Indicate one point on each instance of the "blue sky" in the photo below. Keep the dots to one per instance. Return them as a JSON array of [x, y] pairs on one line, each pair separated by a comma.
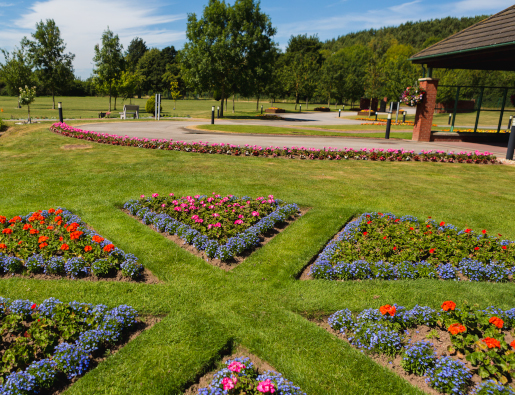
[[163, 23]]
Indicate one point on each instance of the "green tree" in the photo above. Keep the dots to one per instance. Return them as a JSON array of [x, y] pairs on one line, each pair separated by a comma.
[[135, 51], [130, 84], [397, 71], [16, 71], [27, 97], [175, 92], [109, 62], [53, 66], [225, 46], [152, 67]]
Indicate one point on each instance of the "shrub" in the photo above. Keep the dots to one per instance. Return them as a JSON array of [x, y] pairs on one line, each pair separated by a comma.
[[418, 357], [71, 359], [102, 268], [150, 106]]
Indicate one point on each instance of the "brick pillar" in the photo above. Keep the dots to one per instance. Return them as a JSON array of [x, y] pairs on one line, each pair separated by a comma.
[[425, 110]]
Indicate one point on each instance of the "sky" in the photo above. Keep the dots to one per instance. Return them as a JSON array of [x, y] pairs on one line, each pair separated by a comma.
[[163, 23]]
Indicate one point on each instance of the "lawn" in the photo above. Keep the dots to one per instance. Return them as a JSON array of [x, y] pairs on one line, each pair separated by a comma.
[[89, 107], [259, 304], [308, 132]]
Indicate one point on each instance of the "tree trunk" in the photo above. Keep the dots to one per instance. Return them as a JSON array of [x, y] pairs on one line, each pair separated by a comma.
[[53, 99], [233, 103], [225, 104], [306, 102], [222, 103], [257, 104], [28, 108], [109, 96], [296, 99]]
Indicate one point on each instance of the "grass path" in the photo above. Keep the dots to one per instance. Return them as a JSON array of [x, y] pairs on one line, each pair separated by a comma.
[[259, 303]]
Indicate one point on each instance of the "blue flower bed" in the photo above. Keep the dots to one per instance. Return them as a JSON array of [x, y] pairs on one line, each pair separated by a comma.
[[236, 245], [65, 334], [58, 242], [383, 246], [384, 331], [240, 377]]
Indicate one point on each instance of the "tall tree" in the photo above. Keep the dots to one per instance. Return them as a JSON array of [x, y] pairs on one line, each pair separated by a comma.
[[226, 45], [16, 72], [53, 66], [135, 51], [109, 62], [152, 66]]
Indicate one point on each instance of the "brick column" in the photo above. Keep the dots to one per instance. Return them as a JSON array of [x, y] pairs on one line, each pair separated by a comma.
[[425, 110]]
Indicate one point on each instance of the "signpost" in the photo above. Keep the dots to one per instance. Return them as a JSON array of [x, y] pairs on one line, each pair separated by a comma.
[[158, 106]]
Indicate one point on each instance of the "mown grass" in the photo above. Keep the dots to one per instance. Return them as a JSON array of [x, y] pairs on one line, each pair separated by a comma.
[[259, 303], [253, 129]]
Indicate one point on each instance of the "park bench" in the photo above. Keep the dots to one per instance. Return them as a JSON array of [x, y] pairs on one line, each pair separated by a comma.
[[130, 109]]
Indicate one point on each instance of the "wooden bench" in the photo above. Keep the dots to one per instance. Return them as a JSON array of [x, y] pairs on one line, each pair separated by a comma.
[[129, 109]]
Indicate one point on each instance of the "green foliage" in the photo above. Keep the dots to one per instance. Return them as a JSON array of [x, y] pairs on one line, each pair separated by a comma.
[[150, 106], [16, 71], [53, 66], [152, 66], [135, 51], [27, 97]]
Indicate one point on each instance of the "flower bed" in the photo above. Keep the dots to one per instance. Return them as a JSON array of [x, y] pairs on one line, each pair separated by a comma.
[[478, 343], [323, 109], [57, 242], [240, 377], [382, 246], [275, 110], [477, 131], [222, 227], [55, 341], [327, 153]]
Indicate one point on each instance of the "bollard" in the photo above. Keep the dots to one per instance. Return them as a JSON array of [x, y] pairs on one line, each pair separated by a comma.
[[449, 122], [339, 113], [404, 117], [300, 107], [511, 144], [388, 125], [60, 107], [376, 116], [343, 107], [509, 123], [218, 112], [213, 115]]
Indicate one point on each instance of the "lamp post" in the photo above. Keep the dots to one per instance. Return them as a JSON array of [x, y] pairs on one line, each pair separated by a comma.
[[388, 126], [60, 107], [339, 113], [218, 112], [511, 144], [213, 115]]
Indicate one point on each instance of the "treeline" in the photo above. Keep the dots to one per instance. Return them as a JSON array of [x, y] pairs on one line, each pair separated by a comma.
[[230, 52]]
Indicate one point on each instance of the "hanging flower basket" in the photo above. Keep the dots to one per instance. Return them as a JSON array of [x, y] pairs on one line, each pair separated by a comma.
[[413, 95]]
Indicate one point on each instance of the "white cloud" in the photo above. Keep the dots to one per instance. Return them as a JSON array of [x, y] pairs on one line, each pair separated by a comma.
[[82, 23], [475, 6]]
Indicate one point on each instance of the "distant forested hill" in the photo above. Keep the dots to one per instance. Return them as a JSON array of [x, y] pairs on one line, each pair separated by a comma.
[[417, 34]]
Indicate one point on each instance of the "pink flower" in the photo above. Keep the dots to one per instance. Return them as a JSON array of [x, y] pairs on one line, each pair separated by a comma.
[[199, 220], [255, 214], [216, 215], [197, 196], [241, 216], [238, 222], [218, 225], [227, 383], [142, 196], [236, 366], [211, 207], [171, 194], [177, 209], [154, 195], [266, 386]]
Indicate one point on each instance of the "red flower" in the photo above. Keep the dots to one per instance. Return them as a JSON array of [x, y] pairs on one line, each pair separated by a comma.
[[75, 235], [455, 329], [448, 305], [2, 246], [27, 226], [380, 214], [42, 239], [497, 322], [387, 309], [65, 247], [483, 231], [43, 245], [512, 344], [385, 237], [365, 233], [51, 211], [428, 226], [491, 342], [50, 227], [34, 231], [72, 227], [97, 239], [503, 247], [369, 222], [394, 248], [88, 248], [476, 248], [109, 248], [397, 220], [3, 219], [442, 223], [7, 231], [33, 306], [59, 211], [411, 229], [432, 251], [468, 230]]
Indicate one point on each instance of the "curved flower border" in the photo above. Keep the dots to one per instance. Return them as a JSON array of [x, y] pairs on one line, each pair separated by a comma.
[[235, 245], [328, 153], [475, 270]]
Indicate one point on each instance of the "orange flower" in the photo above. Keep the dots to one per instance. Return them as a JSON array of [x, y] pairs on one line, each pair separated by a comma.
[[34, 231], [65, 247], [2, 246], [72, 227], [88, 248], [109, 248], [512, 344], [387, 309], [97, 239], [57, 219], [51, 211], [50, 227], [3, 219], [491, 342], [448, 305], [20, 242], [15, 219], [454, 329], [59, 211], [43, 245], [75, 235], [497, 322], [61, 238], [42, 239], [27, 226], [7, 231]]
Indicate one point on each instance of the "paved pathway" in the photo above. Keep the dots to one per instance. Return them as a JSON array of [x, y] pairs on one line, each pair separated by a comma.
[[179, 131]]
